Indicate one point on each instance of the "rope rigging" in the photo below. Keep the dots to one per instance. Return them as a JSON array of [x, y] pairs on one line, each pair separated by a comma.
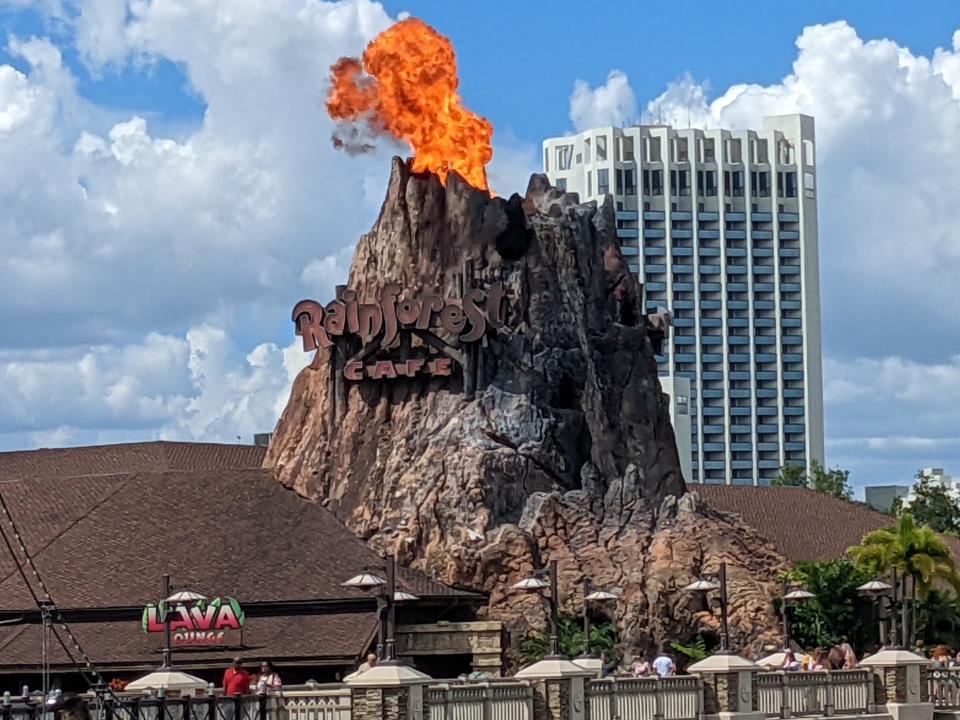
[[47, 606]]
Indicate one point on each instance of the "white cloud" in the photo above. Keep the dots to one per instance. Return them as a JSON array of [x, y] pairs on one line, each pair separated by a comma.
[[612, 103]]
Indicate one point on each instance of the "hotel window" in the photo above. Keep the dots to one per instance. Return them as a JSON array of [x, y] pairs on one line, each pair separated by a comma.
[[709, 150], [626, 148], [653, 182], [564, 156], [652, 147], [561, 184], [760, 184], [586, 150], [601, 147], [589, 183], [630, 182], [603, 179], [619, 175]]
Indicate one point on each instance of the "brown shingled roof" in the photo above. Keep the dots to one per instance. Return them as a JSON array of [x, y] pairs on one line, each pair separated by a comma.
[[802, 524], [104, 524]]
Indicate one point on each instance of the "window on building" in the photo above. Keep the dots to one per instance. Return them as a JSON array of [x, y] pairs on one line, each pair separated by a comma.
[[589, 183], [680, 151], [653, 182], [603, 181], [760, 152], [785, 152], [601, 147], [760, 184], [619, 176], [626, 148], [808, 181], [684, 182], [561, 184], [709, 150], [808, 158], [734, 151], [586, 150], [791, 184], [630, 182], [564, 156], [652, 145]]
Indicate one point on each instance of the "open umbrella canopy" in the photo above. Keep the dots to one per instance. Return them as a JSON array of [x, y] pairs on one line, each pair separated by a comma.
[[184, 596], [167, 679]]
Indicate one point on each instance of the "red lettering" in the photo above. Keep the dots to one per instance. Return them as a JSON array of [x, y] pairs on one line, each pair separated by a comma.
[[153, 621], [353, 370], [440, 366], [430, 303], [182, 620], [388, 306], [408, 311], [308, 317], [336, 319], [471, 307], [382, 369], [226, 619], [203, 620]]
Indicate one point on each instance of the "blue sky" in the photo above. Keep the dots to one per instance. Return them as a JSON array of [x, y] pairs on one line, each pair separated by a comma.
[[168, 177]]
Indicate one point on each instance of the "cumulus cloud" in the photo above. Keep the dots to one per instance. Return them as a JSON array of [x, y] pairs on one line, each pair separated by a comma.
[[612, 103]]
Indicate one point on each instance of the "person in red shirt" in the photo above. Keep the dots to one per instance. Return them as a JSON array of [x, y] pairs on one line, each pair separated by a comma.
[[236, 680]]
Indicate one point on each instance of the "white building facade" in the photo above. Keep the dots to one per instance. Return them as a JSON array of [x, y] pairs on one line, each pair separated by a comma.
[[721, 227]]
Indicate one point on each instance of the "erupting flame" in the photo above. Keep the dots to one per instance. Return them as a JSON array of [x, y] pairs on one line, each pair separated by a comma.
[[407, 86]]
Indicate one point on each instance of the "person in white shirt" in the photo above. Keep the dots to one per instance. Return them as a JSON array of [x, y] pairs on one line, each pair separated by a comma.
[[664, 665]]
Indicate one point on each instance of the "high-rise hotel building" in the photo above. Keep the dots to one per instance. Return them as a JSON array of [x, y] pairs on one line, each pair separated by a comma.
[[721, 227]]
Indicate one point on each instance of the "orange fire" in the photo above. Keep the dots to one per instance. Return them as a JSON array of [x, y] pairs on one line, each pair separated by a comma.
[[407, 86]]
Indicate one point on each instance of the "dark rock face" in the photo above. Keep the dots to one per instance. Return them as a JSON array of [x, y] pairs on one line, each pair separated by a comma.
[[553, 441]]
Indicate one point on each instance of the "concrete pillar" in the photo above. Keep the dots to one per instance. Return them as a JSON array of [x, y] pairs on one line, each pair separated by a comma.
[[899, 683], [387, 692], [729, 687], [559, 689]]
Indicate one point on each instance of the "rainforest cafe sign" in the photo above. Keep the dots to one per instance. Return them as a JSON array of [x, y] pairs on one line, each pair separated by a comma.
[[199, 624], [379, 325]]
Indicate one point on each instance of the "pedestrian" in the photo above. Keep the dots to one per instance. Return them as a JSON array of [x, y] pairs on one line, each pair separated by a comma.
[[268, 681], [818, 661], [640, 668], [236, 680], [664, 665], [941, 657], [835, 658], [370, 664], [849, 656], [789, 663]]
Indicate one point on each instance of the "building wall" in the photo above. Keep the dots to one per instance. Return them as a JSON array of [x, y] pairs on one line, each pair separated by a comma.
[[721, 227], [881, 497], [678, 388]]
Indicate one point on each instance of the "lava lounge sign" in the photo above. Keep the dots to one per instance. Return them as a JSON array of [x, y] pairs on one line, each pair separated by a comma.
[[214, 623], [392, 320]]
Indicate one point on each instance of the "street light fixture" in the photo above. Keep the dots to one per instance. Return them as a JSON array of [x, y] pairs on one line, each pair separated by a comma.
[[536, 584], [591, 595], [885, 596], [798, 594], [387, 597], [706, 584]]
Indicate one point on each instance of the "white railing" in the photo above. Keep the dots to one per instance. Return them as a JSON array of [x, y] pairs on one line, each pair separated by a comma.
[[673, 698], [943, 685], [504, 700], [331, 703], [788, 694]]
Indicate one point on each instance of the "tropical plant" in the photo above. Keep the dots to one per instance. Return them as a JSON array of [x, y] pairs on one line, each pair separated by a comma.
[[837, 611], [603, 639], [696, 651], [916, 553], [833, 482], [938, 619]]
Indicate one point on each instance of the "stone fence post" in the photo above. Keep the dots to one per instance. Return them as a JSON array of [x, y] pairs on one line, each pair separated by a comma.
[[559, 691], [387, 692], [729, 687], [898, 682]]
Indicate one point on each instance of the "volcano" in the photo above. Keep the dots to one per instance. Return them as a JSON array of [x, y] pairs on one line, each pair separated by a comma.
[[546, 438]]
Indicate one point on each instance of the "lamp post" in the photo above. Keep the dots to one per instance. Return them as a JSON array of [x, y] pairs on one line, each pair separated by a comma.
[[387, 598], [798, 594], [884, 596], [536, 584], [591, 594], [174, 598], [705, 584]]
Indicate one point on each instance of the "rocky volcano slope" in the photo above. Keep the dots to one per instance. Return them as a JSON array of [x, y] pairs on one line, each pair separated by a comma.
[[553, 441]]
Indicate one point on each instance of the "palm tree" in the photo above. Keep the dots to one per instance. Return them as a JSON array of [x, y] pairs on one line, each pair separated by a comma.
[[914, 552]]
